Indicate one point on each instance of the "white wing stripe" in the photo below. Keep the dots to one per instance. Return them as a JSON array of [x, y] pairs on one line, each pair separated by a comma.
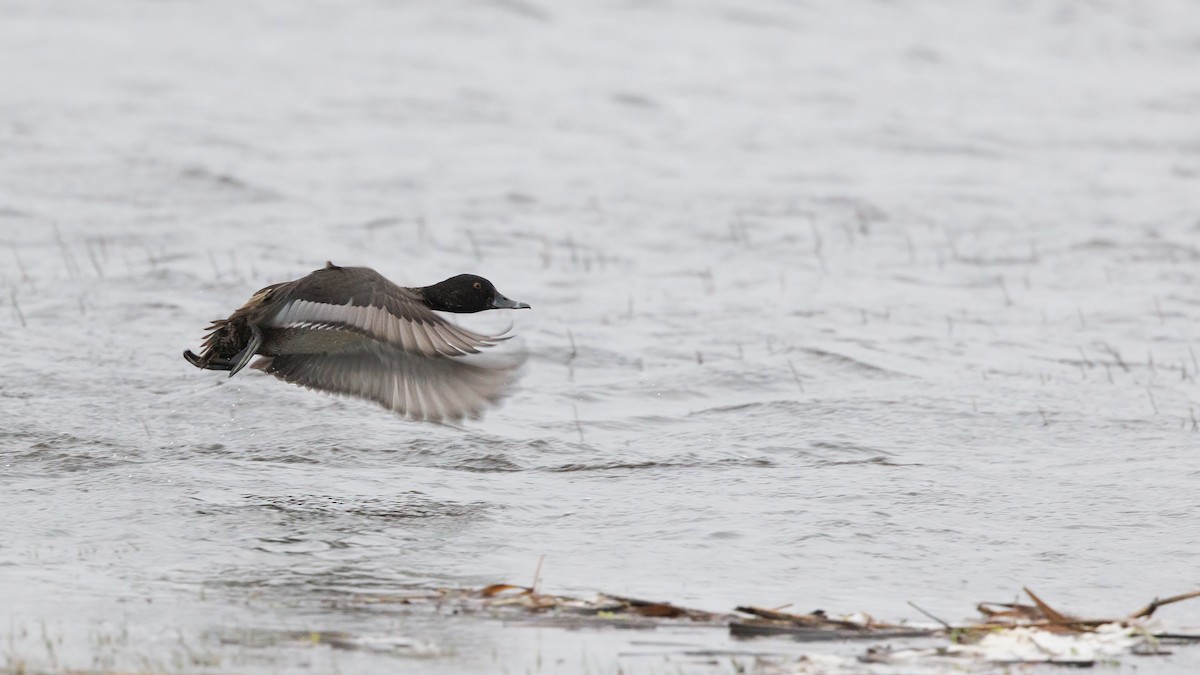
[[281, 317], [436, 339]]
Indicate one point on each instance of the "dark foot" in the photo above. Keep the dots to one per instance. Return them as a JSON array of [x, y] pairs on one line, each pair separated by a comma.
[[243, 357], [206, 364]]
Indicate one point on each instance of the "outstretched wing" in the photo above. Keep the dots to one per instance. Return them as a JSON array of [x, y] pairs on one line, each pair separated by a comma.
[[421, 387]]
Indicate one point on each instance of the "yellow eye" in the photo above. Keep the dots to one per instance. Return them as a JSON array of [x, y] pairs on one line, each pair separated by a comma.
[[478, 285]]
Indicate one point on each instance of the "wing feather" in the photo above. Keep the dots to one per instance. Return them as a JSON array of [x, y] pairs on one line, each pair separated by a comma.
[[439, 338], [422, 388]]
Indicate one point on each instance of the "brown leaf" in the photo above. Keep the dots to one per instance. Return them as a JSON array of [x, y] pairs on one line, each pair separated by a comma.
[[660, 610], [496, 589], [1008, 611], [1049, 612]]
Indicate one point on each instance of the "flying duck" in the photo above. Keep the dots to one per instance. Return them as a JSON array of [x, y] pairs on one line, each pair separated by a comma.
[[349, 331]]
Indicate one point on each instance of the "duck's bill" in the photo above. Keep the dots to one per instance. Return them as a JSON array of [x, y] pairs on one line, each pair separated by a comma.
[[501, 302]]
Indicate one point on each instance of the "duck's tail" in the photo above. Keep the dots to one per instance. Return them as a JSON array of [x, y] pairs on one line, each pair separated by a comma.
[[226, 340]]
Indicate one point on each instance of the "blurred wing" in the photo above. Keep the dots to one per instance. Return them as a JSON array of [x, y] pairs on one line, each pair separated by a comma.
[[419, 387]]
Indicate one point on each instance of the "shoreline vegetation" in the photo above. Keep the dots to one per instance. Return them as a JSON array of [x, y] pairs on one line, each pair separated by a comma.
[[1005, 634], [745, 640]]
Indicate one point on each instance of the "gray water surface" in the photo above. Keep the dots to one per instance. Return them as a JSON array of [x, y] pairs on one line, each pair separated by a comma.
[[834, 304]]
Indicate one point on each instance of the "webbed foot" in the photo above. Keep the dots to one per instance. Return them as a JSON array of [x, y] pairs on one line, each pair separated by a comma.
[[243, 357], [206, 363]]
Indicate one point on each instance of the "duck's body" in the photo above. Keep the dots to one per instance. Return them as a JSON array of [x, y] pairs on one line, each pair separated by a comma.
[[348, 330]]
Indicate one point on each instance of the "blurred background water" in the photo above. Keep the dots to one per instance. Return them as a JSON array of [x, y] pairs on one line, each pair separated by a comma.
[[838, 304]]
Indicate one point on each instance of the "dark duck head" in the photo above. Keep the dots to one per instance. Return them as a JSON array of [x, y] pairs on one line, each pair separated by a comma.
[[466, 294]]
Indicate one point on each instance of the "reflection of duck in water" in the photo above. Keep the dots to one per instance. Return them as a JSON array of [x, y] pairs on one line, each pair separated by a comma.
[[349, 331]]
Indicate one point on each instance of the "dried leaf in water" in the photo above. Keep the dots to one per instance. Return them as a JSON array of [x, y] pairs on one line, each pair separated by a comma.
[[1047, 611], [496, 589], [660, 610], [1009, 611]]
